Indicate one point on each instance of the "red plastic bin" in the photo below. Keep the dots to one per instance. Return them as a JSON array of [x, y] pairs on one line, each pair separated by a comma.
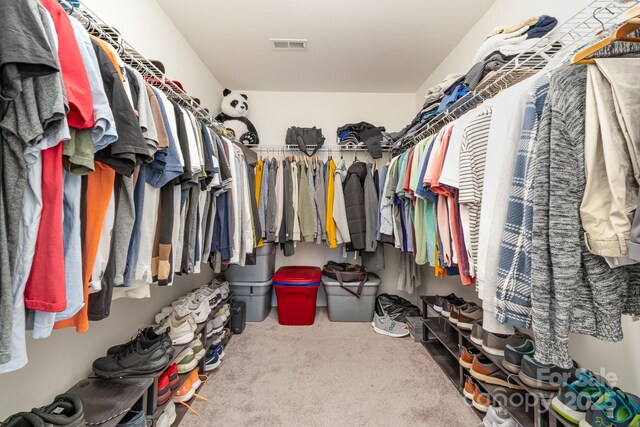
[[296, 291]]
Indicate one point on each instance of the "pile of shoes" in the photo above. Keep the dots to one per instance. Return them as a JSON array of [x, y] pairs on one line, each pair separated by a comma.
[[459, 312], [65, 410], [390, 315], [591, 401], [148, 352]]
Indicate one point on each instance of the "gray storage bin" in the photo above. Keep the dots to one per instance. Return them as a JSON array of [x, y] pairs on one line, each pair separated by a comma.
[[261, 272], [257, 297], [344, 307]]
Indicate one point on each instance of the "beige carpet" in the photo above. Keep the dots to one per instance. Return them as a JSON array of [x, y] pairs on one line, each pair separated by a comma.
[[328, 374]]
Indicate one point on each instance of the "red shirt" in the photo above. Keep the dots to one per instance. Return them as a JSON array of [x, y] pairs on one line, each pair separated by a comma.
[[74, 75]]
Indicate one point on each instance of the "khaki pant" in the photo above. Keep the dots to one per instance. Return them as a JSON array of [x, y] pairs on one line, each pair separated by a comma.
[[612, 165]]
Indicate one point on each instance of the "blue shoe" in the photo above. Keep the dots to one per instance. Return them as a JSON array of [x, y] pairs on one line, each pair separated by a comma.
[[220, 351], [613, 409], [211, 360], [576, 397]]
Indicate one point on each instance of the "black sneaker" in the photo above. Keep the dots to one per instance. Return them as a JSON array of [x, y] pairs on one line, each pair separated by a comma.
[[149, 335], [66, 410], [23, 419], [139, 358]]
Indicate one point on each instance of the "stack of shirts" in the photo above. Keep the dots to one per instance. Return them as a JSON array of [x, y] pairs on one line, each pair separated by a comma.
[[362, 133]]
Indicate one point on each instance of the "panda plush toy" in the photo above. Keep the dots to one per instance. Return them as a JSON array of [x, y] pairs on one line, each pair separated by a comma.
[[233, 117]]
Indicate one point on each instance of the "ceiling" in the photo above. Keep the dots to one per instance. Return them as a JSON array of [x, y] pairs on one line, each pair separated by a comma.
[[354, 45]]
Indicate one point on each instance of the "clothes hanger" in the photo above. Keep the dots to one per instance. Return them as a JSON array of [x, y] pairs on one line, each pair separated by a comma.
[[619, 35]]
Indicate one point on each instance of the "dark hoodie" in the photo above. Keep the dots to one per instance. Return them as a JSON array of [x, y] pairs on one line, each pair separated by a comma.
[[354, 204]]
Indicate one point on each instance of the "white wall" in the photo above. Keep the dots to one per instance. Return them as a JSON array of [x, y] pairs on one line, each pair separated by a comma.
[[619, 358], [57, 363], [146, 27], [273, 112]]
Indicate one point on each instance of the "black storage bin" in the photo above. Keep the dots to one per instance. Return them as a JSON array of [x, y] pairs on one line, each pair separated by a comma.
[[238, 316]]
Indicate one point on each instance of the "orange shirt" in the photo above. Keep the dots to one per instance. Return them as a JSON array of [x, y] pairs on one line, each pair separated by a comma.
[[99, 189]]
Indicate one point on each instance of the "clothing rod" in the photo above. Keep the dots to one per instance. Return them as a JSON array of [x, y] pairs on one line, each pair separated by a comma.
[[278, 148], [571, 34], [132, 57]]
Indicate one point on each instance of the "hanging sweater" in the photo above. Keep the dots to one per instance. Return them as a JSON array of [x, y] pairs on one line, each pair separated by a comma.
[[572, 289]]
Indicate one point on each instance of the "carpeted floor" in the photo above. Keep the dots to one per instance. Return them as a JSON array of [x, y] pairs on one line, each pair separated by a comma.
[[328, 374]]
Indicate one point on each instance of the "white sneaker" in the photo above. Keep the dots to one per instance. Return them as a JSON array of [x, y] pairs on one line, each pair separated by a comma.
[[181, 329], [168, 416], [217, 325], [164, 313], [199, 306]]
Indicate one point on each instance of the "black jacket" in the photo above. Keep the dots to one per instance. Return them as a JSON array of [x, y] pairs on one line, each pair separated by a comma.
[[354, 204]]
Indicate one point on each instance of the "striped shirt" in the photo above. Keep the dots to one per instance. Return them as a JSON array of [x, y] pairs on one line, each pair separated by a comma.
[[473, 151]]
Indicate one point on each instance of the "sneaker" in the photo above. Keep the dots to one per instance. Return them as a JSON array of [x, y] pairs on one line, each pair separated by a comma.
[[181, 329], [482, 369], [194, 377], [576, 397], [451, 304], [211, 359], [495, 344], [164, 388], [148, 335], [615, 409], [220, 349], [23, 419], [216, 325], [186, 360], [466, 356], [168, 416], [513, 355], [544, 377], [139, 358], [498, 417], [481, 400], [185, 392], [455, 312], [224, 312], [174, 377], [65, 410], [384, 325], [469, 388], [197, 347], [164, 313], [133, 419], [466, 317], [477, 333], [438, 305]]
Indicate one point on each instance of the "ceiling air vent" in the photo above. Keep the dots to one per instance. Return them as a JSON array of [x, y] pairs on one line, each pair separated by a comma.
[[289, 44]]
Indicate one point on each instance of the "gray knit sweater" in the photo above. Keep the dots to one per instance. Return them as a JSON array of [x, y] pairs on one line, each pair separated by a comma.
[[572, 289]]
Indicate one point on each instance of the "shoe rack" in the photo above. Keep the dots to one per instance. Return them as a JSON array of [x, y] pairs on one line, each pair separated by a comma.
[[442, 339], [107, 401], [154, 411]]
